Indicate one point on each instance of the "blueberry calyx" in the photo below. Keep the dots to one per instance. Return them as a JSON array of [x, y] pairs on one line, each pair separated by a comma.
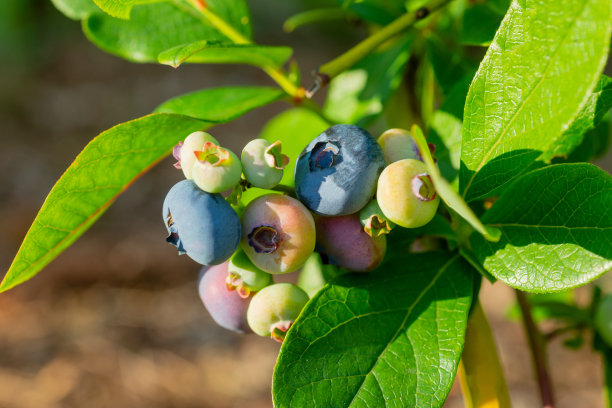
[[176, 152], [325, 155], [212, 154], [264, 239], [234, 282], [279, 330], [274, 158], [376, 226], [423, 187]]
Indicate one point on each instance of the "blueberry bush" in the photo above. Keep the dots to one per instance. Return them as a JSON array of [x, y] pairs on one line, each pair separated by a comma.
[[489, 112]]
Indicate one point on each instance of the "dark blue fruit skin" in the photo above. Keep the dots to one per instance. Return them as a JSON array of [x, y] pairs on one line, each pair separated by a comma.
[[203, 225], [226, 307], [343, 182]]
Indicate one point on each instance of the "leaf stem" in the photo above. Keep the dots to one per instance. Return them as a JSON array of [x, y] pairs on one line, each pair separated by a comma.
[[480, 371], [277, 74], [313, 16], [538, 351], [446, 192], [343, 62]]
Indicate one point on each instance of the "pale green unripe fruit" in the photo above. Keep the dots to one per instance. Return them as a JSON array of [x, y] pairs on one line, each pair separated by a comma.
[[273, 309], [194, 142], [603, 319], [314, 274], [406, 194], [263, 163], [216, 169], [398, 144], [244, 277]]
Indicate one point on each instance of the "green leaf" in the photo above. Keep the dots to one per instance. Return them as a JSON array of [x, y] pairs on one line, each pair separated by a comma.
[[76, 9], [134, 39], [437, 227], [595, 143], [295, 128], [103, 170], [481, 21], [358, 95], [234, 12], [536, 76], [450, 64], [446, 191], [391, 338], [222, 53], [556, 229], [445, 130], [597, 106], [377, 11], [121, 8], [220, 104], [107, 166]]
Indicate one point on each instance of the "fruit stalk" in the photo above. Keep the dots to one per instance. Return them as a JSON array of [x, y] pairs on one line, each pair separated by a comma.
[[538, 351]]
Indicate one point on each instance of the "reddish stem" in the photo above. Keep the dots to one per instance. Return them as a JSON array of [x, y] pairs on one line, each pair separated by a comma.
[[538, 351]]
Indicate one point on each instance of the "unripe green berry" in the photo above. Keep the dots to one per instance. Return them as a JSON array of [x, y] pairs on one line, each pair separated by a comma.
[[244, 277], [273, 309], [398, 144], [263, 163], [216, 169], [184, 151], [315, 274], [406, 194]]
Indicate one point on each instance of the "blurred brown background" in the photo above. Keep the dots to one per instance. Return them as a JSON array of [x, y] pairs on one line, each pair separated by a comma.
[[116, 320]]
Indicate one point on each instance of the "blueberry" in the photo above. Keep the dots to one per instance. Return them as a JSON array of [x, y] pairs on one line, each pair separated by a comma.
[[406, 194], [227, 308], [274, 309], [398, 144], [184, 151], [315, 274], [244, 277], [278, 233], [216, 169], [263, 163], [345, 241], [200, 224], [336, 173]]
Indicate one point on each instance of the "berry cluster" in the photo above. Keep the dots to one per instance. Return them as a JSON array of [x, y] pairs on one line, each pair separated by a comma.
[[336, 177]]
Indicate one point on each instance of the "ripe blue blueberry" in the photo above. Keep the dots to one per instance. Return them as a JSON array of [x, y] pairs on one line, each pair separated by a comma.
[[227, 308], [200, 224], [336, 173]]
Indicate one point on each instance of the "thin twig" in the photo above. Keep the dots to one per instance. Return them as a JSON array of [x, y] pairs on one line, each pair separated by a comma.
[[349, 58], [538, 351]]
